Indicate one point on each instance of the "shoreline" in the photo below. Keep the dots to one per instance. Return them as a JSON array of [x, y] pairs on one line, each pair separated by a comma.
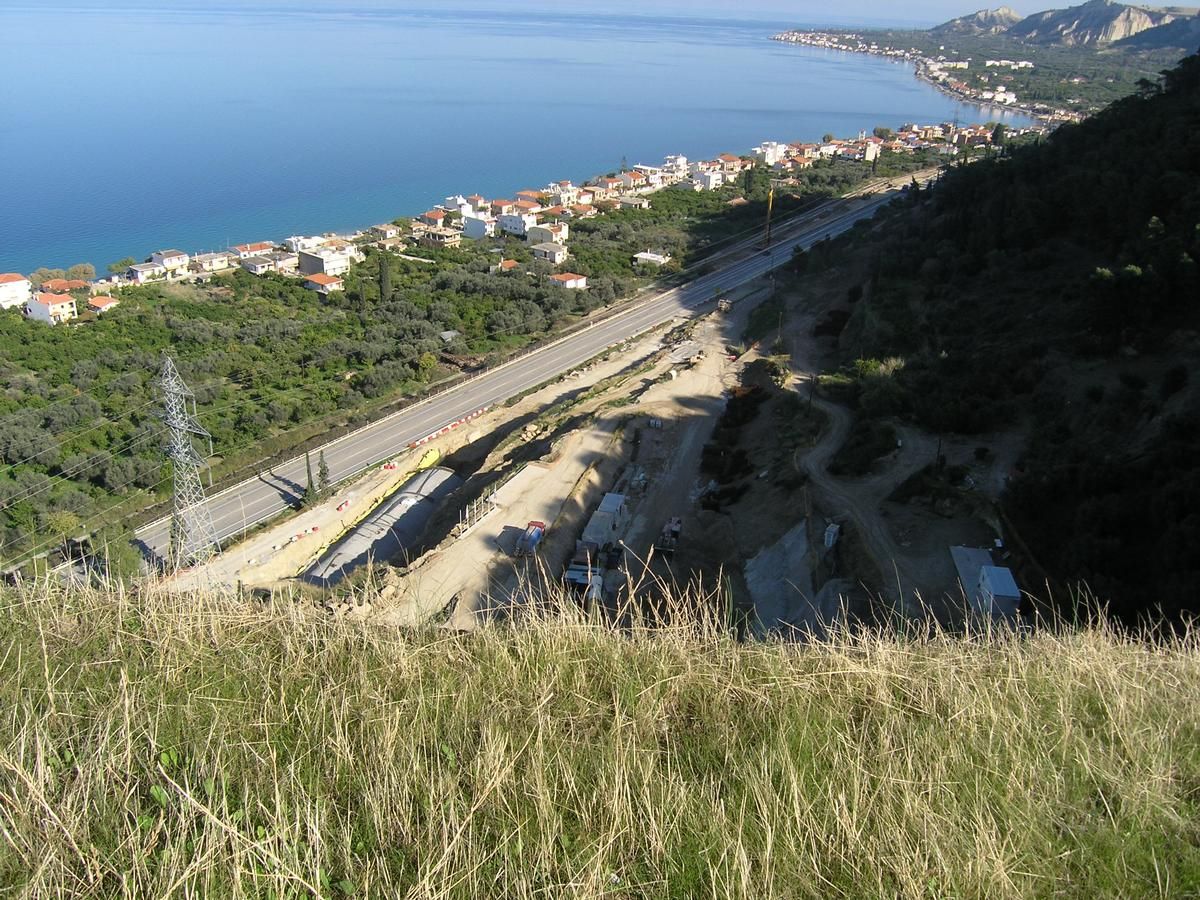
[[924, 68]]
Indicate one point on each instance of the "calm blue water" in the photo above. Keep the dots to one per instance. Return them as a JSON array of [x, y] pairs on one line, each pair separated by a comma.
[[125, 131]]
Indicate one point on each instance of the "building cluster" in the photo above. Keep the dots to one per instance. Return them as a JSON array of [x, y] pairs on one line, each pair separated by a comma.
[[941, 71], [542, 218]]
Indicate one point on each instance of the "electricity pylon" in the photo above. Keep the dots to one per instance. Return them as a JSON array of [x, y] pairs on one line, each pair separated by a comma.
[[193, 535]]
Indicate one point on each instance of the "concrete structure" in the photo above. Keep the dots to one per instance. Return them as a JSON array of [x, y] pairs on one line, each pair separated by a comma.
[[389, 533], [325, 261], [709, 180], [433, 217], [283, 261], [52, 309], [551, 253], [323, 284], [386, 231], [770, 152], [174, 261], [140, 273], [479, 227], [245, 251], [555, 233], [441, 237], [652, 259], [298, 242], [989, 589], [100, 305], [571, 281], [15, 290]]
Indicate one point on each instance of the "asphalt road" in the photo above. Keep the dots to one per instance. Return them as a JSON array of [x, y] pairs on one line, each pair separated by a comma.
[[242, 506]]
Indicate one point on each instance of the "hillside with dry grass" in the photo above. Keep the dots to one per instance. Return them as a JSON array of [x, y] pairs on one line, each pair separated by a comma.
[[174, 746]]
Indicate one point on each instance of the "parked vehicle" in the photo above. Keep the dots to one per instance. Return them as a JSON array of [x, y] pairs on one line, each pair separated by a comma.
[[528, 543], [668, 539]]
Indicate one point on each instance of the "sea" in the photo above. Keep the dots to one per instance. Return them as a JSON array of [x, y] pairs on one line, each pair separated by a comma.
[[127, 130]]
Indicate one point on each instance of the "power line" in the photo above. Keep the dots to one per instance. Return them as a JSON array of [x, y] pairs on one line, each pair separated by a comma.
[[193, 535]]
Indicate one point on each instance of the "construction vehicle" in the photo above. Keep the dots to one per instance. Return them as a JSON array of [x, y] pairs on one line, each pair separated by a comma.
[[724, 305], [527, 544], [668, 539]]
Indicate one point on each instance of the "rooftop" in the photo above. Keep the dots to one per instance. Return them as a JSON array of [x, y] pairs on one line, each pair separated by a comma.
[[11, 278]]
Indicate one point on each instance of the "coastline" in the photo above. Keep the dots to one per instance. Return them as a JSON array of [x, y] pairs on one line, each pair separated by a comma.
[[925, 69]]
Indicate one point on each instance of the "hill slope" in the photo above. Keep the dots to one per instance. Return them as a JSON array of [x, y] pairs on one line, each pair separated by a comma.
[[1183, 33], [1095, 22], [1054, 292], [190, 747], [985, 21]]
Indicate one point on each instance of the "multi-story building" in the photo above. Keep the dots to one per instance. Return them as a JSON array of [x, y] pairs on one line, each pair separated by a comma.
[[53, 309], [15, 290]]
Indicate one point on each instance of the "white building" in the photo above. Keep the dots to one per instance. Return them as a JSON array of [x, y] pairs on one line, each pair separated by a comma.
[[211, 262], [570, 281], [245, 251], [551, 253], [517, 223], [140, 273], [101, 305], [175, 262], [15, 290], [258, 265], [676, 166], [555, 233], [298, 242], [770, 152], [325, 261], [53, 309], [323, 284], [385, 232], [479, 227]]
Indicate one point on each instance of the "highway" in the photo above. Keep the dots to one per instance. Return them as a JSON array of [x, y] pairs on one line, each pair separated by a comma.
[[251, 502]]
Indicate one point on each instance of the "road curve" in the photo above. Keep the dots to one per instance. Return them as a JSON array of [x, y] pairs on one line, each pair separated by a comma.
[[251, 502]]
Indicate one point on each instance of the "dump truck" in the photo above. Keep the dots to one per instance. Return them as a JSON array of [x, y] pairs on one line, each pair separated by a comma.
[[668, 539], [528, 543]]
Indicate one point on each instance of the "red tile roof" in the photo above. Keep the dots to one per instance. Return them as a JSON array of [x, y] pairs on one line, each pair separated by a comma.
[[322, 279], [507, 265], [566, 276], [62, 285], [102, 302], [253, 248], [53, 299], [525, 204], [11, 278]]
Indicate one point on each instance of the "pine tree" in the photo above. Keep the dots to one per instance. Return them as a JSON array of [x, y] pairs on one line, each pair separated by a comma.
[[322, 475]]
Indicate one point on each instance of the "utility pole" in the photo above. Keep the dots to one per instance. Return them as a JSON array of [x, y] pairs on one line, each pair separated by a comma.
[[770, 206], [193, 535]]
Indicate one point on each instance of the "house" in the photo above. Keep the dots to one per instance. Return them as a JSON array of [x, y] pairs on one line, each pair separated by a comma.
[[442, 237], [571, 281], [100, 305], [634, 180], [584, 196], [505, 265], [551, 253], [385, 232], [174, 261], [434, 218], [552, 212], [548, 234], [606, 187], [325, 261], [676, 166], [516, 223], [533, 197], [732, 164], [211, 262], [582, 211], [478, 203], [653, 259], [634, 203], [15, 290], [53, 309], [526, 207], [769, 152], [502, 207], [140, 273], [283, 261], [479, 227], [323, 284], [257, 265], [63, 285], [298, 242], [245, 251]]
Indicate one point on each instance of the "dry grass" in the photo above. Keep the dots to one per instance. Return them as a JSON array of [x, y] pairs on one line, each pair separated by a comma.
[[164, 746]]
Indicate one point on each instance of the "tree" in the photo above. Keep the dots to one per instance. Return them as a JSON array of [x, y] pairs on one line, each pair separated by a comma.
[[999, 135], [82, 272], [310, 490], [43, 275], [884, 134], [385, 276], [121, 265], [827, 138], [322, 475]]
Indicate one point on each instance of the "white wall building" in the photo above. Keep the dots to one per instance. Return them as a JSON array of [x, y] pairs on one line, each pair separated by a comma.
[[15, 290], [140, 273], [298, 242], [325, 261], [551, 253], [53, 309], [709, 180], [516, 223], [555, 233], [479, 227], [175, 262], [770, 152]]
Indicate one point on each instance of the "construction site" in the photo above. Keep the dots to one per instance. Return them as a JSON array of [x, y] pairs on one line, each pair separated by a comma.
[[687, 456]]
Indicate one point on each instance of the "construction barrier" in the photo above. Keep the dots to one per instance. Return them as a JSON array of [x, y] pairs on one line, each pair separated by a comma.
[[448, 428]]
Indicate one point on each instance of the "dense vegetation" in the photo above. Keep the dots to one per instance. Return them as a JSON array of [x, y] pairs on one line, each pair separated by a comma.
[[189, 747], [1056, 291], [79, 426]]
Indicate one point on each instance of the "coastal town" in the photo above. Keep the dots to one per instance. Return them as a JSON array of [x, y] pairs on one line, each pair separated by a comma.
[[540, 217], [945, 72]]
